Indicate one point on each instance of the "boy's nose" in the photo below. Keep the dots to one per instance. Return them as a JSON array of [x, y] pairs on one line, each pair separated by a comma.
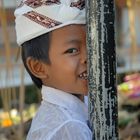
[[84, 57]]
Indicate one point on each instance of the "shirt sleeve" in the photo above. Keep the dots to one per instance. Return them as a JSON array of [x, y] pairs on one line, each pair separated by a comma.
[[72, 130]]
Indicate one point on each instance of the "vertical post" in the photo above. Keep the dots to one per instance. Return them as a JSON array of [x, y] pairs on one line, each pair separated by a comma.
[[103, 116], [134, 49]]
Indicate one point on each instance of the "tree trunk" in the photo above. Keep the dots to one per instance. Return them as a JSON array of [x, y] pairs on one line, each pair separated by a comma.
[[103, 114]]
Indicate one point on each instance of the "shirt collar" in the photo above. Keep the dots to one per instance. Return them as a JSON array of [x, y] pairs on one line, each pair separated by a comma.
[[65, 100]]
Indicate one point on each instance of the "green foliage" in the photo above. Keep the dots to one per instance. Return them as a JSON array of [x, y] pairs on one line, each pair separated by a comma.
[[32, 95]]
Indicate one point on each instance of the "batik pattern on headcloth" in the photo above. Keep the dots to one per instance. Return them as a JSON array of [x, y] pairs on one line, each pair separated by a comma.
[[79, 4], [37, 3], [42, 20], [37, 17]]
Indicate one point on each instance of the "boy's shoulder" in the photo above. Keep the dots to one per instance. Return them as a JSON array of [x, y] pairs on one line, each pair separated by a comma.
[[52, 116], [52, 119]]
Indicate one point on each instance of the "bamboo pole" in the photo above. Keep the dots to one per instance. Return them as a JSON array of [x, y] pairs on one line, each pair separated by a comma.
[[3, 21], [21, 101], [7, 92], [103, 116], [131, 13]]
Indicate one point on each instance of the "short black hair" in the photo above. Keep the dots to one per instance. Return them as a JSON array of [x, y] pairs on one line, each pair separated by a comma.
[[38, 49]]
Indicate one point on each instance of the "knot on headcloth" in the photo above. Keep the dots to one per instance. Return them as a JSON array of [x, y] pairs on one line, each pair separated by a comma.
[[37, 17]]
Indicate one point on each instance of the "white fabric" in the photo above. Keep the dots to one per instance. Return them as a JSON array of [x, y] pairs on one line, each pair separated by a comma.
[[61, 116], [33, 19]]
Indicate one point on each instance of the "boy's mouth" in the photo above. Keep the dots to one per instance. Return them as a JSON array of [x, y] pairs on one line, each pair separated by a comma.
[[83, 75]]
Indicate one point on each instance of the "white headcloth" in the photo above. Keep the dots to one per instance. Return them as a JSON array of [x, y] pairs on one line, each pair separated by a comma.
[[37, 17]]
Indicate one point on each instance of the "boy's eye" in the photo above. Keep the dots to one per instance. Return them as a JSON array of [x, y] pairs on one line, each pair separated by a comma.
[[72, 50]]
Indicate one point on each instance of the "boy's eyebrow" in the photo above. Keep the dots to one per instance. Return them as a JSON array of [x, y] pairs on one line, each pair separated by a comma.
[[77, 41]]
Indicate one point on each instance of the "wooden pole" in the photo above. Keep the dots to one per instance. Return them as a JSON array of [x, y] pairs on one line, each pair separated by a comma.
[[103, 116], [131, 14], [21, 102], [7, 93], [3, 23]]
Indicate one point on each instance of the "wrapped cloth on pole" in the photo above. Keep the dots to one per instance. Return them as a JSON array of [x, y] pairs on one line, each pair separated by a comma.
[[103, 109]]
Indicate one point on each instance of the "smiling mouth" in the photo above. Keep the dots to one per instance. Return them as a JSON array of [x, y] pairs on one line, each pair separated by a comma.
[[83, 75]]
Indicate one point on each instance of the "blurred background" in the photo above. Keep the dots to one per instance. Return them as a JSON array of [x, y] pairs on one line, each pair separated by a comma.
[[19, 98]]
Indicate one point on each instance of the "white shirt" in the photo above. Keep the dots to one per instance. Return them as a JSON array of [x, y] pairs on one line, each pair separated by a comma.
[[61, 116]]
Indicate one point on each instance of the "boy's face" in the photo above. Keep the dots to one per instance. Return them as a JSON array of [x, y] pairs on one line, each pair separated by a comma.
[[68, 68]]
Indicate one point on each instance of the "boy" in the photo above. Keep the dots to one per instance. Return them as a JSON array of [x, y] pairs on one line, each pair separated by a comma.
[[53, 39]]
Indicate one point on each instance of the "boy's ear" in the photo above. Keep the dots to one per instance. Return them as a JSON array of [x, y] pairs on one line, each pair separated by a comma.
[[37, 68]]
